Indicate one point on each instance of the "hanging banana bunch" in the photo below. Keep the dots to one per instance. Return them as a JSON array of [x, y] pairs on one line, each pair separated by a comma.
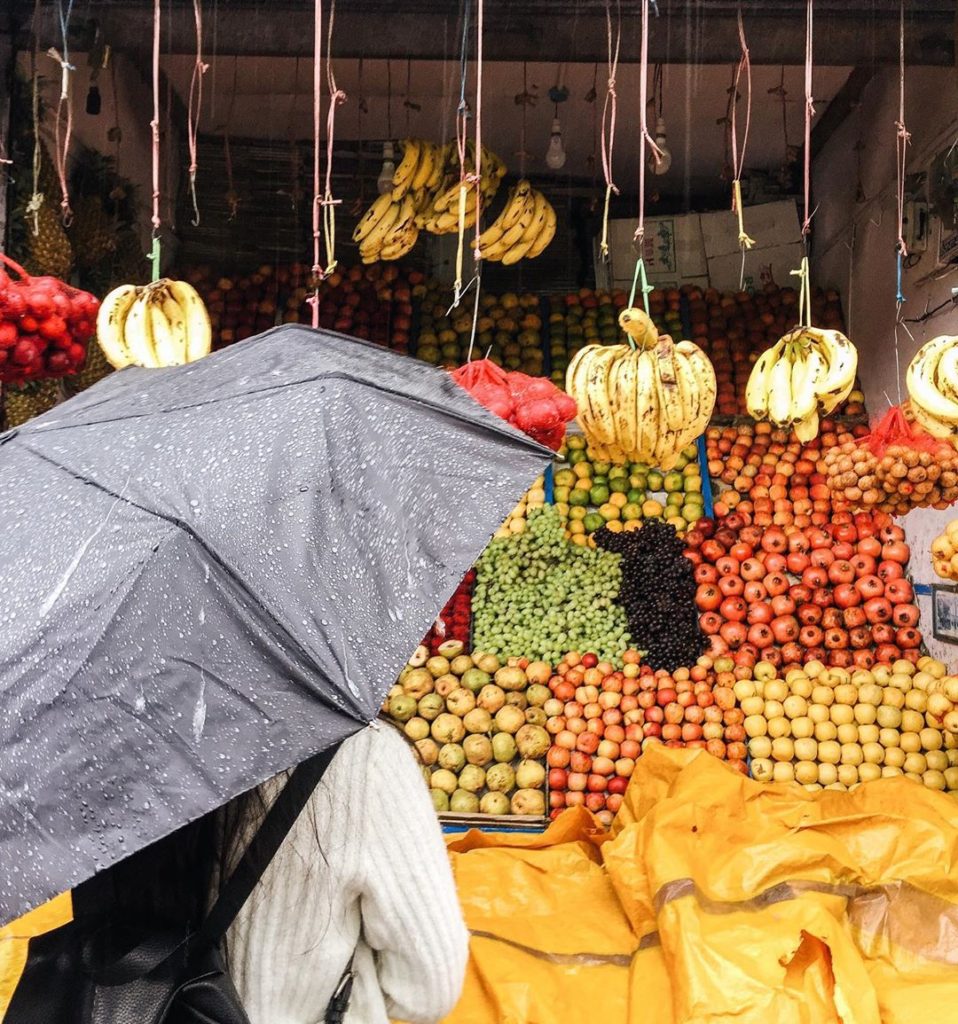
[[932, 382], [642, 404], [159, 324], [808, 371], [526, 225]]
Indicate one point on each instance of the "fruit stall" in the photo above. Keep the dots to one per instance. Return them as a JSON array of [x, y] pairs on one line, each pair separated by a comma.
[[723, 308]]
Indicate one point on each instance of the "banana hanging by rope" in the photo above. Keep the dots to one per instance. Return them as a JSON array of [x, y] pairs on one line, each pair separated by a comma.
[[160, 324], [643, 404], [932, 387]]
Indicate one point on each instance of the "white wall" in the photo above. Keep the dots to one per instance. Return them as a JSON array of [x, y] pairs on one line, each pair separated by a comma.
[[866, 274]]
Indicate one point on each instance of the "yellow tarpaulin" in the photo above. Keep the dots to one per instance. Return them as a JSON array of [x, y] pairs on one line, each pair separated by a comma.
[[15, 937], [717, 900]]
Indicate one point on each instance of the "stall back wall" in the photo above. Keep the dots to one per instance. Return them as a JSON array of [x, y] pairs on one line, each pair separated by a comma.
[[869, 289]]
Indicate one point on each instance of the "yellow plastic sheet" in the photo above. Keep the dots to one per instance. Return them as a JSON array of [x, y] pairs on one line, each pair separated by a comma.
[[719, 900], [15, 938]]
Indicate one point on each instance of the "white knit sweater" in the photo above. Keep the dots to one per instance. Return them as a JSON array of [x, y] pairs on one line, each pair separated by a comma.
[[363, 870]]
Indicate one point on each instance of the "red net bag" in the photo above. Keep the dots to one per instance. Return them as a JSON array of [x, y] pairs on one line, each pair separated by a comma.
[[45, 325], [894, 468], [533, 404]]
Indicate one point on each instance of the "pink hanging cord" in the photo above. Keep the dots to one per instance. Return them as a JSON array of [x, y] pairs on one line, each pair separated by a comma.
[[809, 114], [738, 155], [902, 138], [155, 123], [645, 137], [317, 269], [477, 168], [196, 105], [336, 97], [609, 109]]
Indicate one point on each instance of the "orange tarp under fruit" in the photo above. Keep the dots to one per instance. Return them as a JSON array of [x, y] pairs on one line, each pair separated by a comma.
[[717, 900]]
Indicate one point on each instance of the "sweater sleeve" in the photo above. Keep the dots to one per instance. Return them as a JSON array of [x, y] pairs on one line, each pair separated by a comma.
[[410, 910]]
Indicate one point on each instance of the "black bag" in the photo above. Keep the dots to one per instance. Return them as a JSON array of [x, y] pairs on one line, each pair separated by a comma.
[[103, 969]]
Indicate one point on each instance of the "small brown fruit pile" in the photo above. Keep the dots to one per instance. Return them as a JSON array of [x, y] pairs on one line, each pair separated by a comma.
[[901, 479]]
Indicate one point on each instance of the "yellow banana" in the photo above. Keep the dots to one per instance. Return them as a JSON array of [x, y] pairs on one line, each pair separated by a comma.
[[199, 332], [427, 161], [807, 429], [842, 358], [373, 216], [623, 388], [546, 234], [756, 390], [921, 380], [405, 172], [110, 322], [647, 404], [780, 388], [138, 331]]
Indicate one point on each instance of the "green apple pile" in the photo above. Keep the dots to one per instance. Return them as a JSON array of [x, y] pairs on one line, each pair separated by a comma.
[[537, 595], [479, 728], [509, 328], [590, 494]]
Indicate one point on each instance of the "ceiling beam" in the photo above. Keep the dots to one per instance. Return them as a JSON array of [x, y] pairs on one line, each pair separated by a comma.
[[851, 33], [844, 102]]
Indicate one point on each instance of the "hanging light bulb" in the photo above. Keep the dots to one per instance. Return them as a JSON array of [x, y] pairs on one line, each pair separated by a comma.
[[661, 162], [384, 182], [555, 154]]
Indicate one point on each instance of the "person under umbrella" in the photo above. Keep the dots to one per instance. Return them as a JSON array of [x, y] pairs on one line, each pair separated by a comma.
[[210, 574]]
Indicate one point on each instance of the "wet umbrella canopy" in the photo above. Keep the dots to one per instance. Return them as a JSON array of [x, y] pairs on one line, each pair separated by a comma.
[[209, 573]]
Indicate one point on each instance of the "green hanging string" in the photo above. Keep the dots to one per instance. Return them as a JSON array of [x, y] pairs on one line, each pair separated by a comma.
[[645, 286], [154, 257]]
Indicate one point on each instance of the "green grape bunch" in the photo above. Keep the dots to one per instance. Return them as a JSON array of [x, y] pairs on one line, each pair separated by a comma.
[[538, 596]]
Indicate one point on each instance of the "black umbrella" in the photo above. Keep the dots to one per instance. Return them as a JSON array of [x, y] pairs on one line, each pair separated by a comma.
[[209, 573]]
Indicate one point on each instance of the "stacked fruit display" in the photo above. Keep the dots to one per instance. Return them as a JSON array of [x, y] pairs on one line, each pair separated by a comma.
[[734, 329], [894, 469], [478, 726], [657, 593], [807, 370], [537, 595], [944, 552], [45, 326], [837, 595], [580, 319], [160, 324], [517, 520], [374, 303], [771, 475], [590, 493], [454, 622], [601, 720], [643, 403], [932, 381], [532, 404], [833, 729], [508, 329]]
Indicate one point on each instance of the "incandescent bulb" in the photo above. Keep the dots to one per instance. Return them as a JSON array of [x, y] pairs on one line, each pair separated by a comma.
[[384, 182], [661, 163], [555, 154]]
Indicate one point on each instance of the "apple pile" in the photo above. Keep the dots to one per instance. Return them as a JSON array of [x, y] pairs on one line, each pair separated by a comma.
[[836, 594], [601, 720], [455, 620], [45, 326], [770, 475], [374, 303]]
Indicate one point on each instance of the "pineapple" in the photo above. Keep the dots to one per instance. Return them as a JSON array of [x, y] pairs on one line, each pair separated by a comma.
[[49, 248], [23, 402], [92, 231]]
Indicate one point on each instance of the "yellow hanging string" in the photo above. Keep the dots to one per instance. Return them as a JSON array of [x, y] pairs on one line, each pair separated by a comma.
[[804, 294]]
